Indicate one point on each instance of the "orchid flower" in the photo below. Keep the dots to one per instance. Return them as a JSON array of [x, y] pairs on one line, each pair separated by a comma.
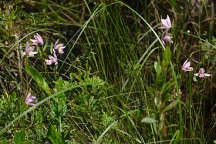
[[167, 38], [52, 59], [37, 40], [166, 23], [29, 51], [59, 47], [202, 73], [186, 66], [30, 100]]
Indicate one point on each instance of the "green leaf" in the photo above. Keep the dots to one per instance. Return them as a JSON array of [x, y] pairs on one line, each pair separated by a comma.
[[38, 78], [167, 86], [157, 67], [54, 136], [4, 141], [175, 137], [166, 56], [149, 120], [94, 81], [19, 138], [170, 106]]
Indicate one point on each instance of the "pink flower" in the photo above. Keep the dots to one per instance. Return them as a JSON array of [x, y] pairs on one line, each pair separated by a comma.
[[202, 73], [30, 100], [167, 38], [52, 59], [186, 66], [29, 51], [166, 23], [37, 40], [59, 47]]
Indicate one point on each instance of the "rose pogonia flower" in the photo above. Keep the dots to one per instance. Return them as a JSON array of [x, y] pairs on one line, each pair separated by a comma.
[[202, 73], [52, 59], [59, 47], [167, 38], [37, 40], [166, 23], [30, 100], [186, 66], [29, 51]]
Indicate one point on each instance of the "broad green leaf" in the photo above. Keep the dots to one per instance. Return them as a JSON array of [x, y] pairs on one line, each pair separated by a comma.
[[157, 67], [149, 120], [170, 106], [54, 136], [166, 57], [38, 78]]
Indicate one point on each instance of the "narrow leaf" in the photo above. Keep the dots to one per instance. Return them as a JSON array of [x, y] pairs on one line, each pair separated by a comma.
[[149, 120], [157, 67], [167, 54], [170, 106], [38, 78]]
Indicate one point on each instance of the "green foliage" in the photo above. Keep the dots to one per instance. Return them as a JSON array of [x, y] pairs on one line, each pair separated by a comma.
[[167, 54], [4, 140], [38, 78], [19, 138], [54, 136]]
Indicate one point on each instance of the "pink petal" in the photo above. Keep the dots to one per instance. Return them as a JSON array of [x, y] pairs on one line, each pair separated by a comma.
[[187, 64], [207, 75], [48, 62], [196, 74]]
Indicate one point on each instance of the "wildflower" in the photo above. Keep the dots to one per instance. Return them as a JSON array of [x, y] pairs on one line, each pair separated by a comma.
[[59, 47], [52, 59], [37, 40], [29, 51], [166, 23], [30, 100], [167, 38], [186, 66], [202, 73]]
